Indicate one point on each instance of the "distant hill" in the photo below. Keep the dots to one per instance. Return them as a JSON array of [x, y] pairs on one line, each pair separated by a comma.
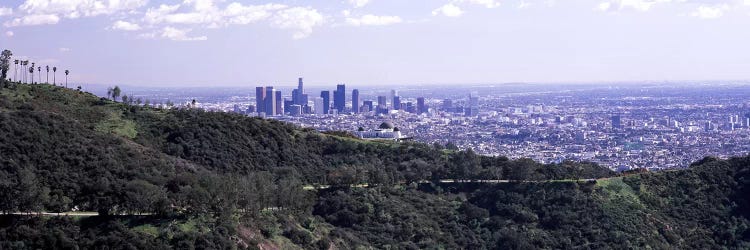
[[182, 178]]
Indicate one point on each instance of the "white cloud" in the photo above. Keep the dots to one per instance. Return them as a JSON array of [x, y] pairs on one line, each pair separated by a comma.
[[372, 20], [204, 12], [300, 19], [156, 15], [453, 9], [604, 6], [30, 20], [176, 34], [64, 50], [524, 5], [6, 11], [359, 3], [710, 12], [126, 26], [238, 14], [78, 8], [9, 33], [485, 3], [638, 5], [449, 10]]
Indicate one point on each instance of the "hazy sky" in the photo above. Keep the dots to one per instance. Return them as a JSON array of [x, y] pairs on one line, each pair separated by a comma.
[[368, 42]]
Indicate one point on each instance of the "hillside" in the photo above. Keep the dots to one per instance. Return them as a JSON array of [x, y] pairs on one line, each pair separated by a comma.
[[184, 178]]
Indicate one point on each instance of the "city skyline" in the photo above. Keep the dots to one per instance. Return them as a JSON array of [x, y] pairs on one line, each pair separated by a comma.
[[377, 42]]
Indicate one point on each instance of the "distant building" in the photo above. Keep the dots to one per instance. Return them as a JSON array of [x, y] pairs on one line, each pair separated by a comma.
[[260, 98], [326, 95], [270, 101], [367, 106], [392, 97], [396, 103], [472, 109], [616, 121], [421, 107], [295, 110], [355, 101], [447, 104], [410, 107], [319, 106], [279, 103], [288, 105], [382, 105], [386, 131], [339, 98]]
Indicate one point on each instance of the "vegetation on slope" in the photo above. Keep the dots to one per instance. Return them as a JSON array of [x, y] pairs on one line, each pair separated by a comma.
[[216, 180]]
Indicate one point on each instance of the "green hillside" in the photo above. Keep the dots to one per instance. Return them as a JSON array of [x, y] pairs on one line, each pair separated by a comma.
[[186, 178]]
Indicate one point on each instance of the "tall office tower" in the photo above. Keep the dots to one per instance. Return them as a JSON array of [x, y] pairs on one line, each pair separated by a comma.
[[447, 104], [270, 101], [326, 95], [339, 98], [288, 105], [396, 103], [318, 105], [392, 96], [260, 98], [295, 110], [473, 107], [421, 108], [298, 95], [299, 86], [410, 107], [367, 106], [708, 127], [381, 101], [616, 121], [355, 101], [382, 107], [279, 102]]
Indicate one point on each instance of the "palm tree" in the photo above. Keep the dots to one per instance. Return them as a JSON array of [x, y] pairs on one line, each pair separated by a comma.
[[66, 77], [31, 71], [54, 75], [23, 71], [15, 70], [47, 67], [39, 72]]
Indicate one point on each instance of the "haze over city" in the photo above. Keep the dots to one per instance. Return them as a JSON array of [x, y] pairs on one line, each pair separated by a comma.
[[372, 42]]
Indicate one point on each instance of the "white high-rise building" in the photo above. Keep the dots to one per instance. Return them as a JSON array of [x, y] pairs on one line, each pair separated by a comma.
[[318, 105]]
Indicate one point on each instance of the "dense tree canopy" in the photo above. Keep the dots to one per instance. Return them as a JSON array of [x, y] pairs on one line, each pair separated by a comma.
[[183, 178]]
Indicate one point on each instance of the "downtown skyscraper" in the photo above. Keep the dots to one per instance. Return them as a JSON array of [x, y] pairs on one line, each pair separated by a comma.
[[326, 95], [355, 101], [339, 98]]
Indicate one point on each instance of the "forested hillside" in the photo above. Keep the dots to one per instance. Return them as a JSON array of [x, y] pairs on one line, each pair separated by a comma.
[[185, 178]]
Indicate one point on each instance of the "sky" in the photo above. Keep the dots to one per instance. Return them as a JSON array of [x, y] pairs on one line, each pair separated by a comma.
[[169, 43]]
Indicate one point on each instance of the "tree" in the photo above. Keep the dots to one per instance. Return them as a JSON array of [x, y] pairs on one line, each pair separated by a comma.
[[66, 78], [5, 63], [15, 73], [114, 93], [47, 67], [54, 75], [39, 73], [31, 71]]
